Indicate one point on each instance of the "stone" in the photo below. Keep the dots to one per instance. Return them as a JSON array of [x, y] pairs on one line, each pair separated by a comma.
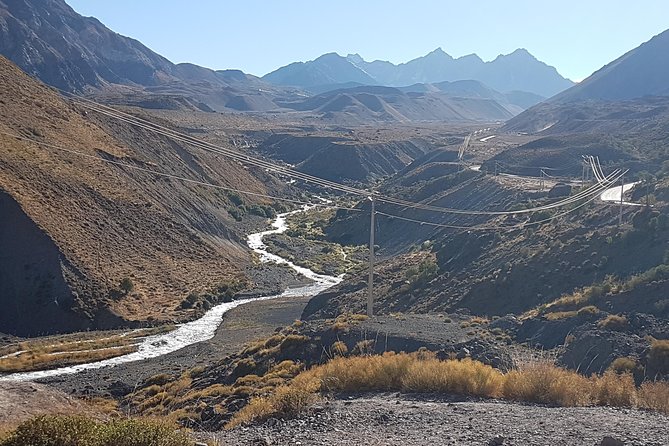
[[610, 441], [497, 441]]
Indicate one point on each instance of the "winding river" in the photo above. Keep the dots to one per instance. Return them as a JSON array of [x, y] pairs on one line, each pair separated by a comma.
[[204, 328]]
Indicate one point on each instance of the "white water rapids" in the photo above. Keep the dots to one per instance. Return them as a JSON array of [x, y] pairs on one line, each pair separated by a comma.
[[204, 328]]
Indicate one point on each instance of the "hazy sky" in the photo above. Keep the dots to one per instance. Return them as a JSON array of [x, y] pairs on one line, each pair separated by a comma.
[[258, 36]]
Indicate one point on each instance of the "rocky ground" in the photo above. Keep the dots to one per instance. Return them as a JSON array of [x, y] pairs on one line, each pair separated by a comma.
[[240, 325], [393, 419], [20, 401]]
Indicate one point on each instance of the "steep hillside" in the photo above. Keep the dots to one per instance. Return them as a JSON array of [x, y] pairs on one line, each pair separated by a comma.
[[344, 159], [489, 273], [635, 131], [643, 71], [49, 40], [74, 228]]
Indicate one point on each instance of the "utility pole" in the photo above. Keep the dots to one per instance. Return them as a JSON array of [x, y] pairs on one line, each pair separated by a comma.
[[541, 181], [622, 188], [495, 168], [370, 283], [583, 176]]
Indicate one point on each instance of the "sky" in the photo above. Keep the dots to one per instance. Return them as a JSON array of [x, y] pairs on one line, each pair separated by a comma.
[[258, 36]]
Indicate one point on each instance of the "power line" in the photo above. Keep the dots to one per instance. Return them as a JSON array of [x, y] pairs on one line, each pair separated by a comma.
[[109, 111]]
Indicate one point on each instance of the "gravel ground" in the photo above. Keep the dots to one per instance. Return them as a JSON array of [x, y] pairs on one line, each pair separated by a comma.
[[392, 419], [255, 320], [19, 401]]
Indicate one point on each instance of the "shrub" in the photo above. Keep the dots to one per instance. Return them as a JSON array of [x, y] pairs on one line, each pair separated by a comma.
[[55, 431], [616, 390], [658, 358], [126, 285], [588, 311], [613, 322], [339, 348], [654, 396], [624, 365], [286, 401], [142, 433], [63, 430], [422, 274], [365, 347], [542, 382], [539, 382], [464, 377]]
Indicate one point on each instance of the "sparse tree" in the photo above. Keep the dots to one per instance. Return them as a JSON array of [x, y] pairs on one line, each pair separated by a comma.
[[126, 285]]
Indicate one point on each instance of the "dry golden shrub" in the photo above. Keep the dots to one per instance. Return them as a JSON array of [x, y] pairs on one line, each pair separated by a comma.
[[466, 377], [543, 382], [612, 389], [654, 396]]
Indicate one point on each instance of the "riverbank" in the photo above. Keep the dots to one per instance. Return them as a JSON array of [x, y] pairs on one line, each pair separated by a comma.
[[255, 320]]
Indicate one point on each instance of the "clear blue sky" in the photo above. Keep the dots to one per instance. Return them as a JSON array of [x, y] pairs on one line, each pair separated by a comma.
[[258, 36]]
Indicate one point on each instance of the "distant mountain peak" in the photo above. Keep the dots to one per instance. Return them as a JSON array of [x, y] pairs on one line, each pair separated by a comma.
[[520, 54], [517, 71], [470, 57], [438, 53]]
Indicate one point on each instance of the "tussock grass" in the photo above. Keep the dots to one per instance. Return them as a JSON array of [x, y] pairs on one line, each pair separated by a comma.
[[614, 322], [63, 430], [658, 356], [540, 382], [72, 349], [30, 361]]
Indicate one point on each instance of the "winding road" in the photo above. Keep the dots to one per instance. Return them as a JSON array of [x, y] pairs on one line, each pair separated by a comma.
[[614, 194]]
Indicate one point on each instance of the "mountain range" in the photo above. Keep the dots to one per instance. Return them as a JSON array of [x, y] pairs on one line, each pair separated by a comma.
[[516, 71], [445, 101], [49, 40]]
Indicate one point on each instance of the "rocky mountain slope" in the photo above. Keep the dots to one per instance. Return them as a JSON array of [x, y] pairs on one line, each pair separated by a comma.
[[49, 40], [73, 228], [516, 71], [643, 71]]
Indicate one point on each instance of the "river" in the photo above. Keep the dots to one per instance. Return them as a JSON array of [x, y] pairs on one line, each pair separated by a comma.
[[205, 327]]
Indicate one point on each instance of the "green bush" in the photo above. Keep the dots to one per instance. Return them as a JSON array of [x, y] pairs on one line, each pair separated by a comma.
[[422, 274], [126, 285], [61, 430]]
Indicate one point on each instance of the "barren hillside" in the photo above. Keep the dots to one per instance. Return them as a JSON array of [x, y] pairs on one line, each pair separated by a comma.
[[73, 227]]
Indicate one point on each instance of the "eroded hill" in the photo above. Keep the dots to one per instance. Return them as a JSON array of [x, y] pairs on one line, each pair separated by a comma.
[[73, 229]]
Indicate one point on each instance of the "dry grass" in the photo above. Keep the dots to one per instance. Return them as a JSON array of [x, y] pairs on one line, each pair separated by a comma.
[[540, 382], [658, 356], [67, 430], [42, 361], [72, 349], [613, 322], [338, 348], [557, 315], [654, 396], [545, 383]]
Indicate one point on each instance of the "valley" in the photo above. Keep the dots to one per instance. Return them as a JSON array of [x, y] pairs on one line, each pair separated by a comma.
[[443, 250]]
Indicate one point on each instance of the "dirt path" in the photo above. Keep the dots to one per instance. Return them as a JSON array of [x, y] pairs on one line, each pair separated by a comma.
[[391, 419]]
